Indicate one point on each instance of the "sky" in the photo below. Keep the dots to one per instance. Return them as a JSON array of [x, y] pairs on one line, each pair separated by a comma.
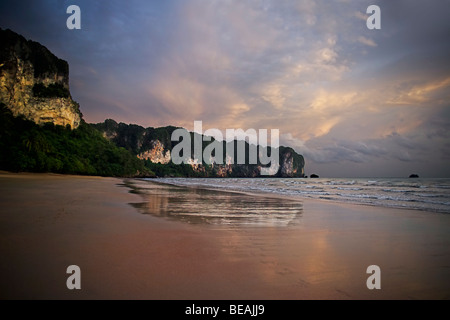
[[354, 102]]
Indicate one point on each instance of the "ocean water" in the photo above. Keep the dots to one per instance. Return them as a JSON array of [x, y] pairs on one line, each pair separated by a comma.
[[420, 194]]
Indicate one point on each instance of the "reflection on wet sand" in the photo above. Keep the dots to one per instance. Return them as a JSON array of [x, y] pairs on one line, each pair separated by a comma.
[[322, 250], [195, 205], [307, 249]]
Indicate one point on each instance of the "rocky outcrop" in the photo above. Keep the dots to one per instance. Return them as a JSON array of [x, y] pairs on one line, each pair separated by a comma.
[[155, 145], [291, 163], [156, 154], [34, 83]]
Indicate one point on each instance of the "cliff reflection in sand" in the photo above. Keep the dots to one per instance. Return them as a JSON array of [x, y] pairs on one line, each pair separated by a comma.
[[202, 206]]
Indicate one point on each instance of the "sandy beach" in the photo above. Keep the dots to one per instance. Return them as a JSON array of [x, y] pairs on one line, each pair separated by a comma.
[[139, 245]]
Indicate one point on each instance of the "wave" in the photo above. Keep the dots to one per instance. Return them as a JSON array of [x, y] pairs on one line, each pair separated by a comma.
[[429, 195]]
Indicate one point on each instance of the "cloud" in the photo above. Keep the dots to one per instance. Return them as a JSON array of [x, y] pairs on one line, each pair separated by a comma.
[[340, 93], [366, 41], [361, 16], [273, 94], [436, 91]]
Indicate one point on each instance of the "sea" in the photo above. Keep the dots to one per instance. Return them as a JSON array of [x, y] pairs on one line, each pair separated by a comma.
[[431, 195]]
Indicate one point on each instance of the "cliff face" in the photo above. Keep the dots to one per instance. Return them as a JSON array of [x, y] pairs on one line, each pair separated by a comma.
[[156, 154], [155, 145], [35, 83], [291, 163]]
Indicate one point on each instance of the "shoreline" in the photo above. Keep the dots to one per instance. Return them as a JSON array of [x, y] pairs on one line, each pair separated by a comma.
[[295, 198], [51, 221]]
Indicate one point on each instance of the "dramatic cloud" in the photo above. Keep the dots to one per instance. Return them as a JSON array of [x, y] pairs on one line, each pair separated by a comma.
[[353, 101]]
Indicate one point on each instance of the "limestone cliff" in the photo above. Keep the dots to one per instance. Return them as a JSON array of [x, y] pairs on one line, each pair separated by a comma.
[[34, 82], [156, 153], [291, 163], [155, 145]]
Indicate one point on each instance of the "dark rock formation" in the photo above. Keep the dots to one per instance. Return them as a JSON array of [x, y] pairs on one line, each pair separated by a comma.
[[414, 175], [314, 176], [155, 145], [34, 82]]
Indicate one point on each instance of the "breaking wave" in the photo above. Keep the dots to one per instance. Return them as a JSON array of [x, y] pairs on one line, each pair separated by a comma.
[[422, 194]]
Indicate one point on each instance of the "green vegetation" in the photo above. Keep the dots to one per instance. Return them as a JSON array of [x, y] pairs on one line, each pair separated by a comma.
[[133, 137], [108, 148], [173, 170], [138, 139], [298, 160], [53, 90], [26, 146]]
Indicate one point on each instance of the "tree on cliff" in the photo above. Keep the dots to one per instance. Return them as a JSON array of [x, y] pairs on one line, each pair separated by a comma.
[[26, 146]]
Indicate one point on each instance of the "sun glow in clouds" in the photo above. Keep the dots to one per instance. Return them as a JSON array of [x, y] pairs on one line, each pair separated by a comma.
[[313, 69]]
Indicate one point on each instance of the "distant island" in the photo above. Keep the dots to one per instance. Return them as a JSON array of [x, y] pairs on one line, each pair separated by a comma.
[[42, 128]]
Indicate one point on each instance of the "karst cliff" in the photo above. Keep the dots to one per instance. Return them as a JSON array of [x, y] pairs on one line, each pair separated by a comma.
[[42, 129], [34, 83], [155, 145]]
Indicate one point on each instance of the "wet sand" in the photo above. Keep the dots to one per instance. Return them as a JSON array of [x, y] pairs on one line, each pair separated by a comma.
[[155, 242]]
